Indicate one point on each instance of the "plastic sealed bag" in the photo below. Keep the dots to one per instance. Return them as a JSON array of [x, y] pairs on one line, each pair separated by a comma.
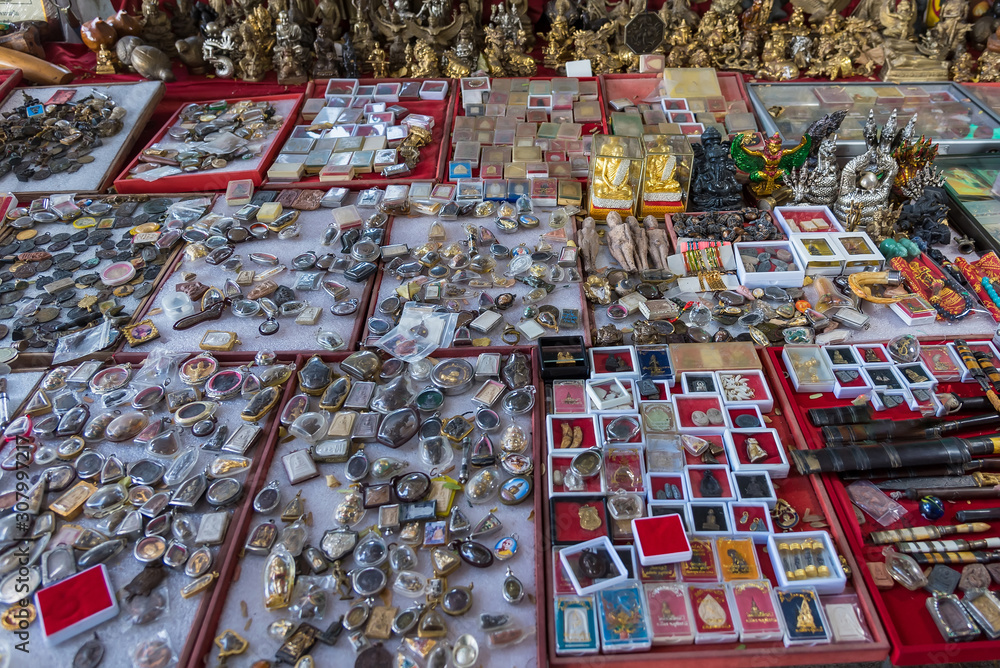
[[421, 331], [86, 342], [154, 652]]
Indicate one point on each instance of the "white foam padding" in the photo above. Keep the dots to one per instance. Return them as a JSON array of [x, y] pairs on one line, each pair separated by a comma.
[[19, 386], [884, 323], [290, 336], [118, 635], [321, 501], [413, 232], [283, 108], [134, 98]]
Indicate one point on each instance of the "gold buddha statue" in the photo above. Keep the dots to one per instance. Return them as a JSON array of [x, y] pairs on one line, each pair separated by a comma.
[[611, 186], [661, 191]]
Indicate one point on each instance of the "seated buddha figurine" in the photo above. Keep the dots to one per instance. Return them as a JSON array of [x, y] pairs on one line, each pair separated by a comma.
[[611, 186], [989, 61], [661, 191]]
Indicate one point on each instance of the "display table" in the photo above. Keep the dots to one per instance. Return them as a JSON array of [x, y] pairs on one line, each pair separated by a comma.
[[575, 442]]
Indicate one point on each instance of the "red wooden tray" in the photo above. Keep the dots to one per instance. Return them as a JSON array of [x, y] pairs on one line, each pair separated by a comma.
[[637, 86], [803, 493], [588, 128], [433, 161], [212, 179], [9, 80], [199, 651], [915, 639]]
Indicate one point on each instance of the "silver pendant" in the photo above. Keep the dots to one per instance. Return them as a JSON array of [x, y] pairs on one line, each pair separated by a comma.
[[513, 590]]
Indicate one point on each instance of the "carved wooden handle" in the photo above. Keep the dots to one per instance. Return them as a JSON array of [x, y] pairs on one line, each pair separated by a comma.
[[34, 69]]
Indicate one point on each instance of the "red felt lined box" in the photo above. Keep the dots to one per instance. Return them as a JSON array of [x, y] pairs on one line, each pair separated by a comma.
[[569, 396], [624, 470], [737, 413], [686, 405], [558, 466], [587, 424], [614, 395], [636, 439], [658, 487], [569, 514], [721, 458], [699, 478], [872, 353], [752, 519], [570, 559], [732, 384], [212, 179], [614, 361], [718, 438], [776, 462], [660, 540], [847, 387], [561, 582], [75, 605], [809, 219]]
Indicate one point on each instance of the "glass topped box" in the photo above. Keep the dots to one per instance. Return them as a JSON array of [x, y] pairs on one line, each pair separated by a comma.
[[946, 113]]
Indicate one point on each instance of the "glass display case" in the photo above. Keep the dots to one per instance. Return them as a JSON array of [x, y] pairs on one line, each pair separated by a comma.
[[987, 94], [615, 173], [946, 113], [666, 175], [971, 183]]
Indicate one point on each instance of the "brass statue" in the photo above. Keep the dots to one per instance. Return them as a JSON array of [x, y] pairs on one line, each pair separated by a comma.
[[951, 27], [989, 60], [379, 61], [326, 65], [775, 64], [288, 53], [425, 62], [105, 61], [183, 23], [332, 13], [559, 47], [429, 23], [257, 35], [460, 60], [156, 30], [963, 68], [506, 42], [897, 19]]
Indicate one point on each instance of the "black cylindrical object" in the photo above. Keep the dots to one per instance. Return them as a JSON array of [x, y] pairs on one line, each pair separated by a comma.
[[974, 422], [824, 417], [978, 515], [954, 493], [947, 451], [879, 430], [912, 472]]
